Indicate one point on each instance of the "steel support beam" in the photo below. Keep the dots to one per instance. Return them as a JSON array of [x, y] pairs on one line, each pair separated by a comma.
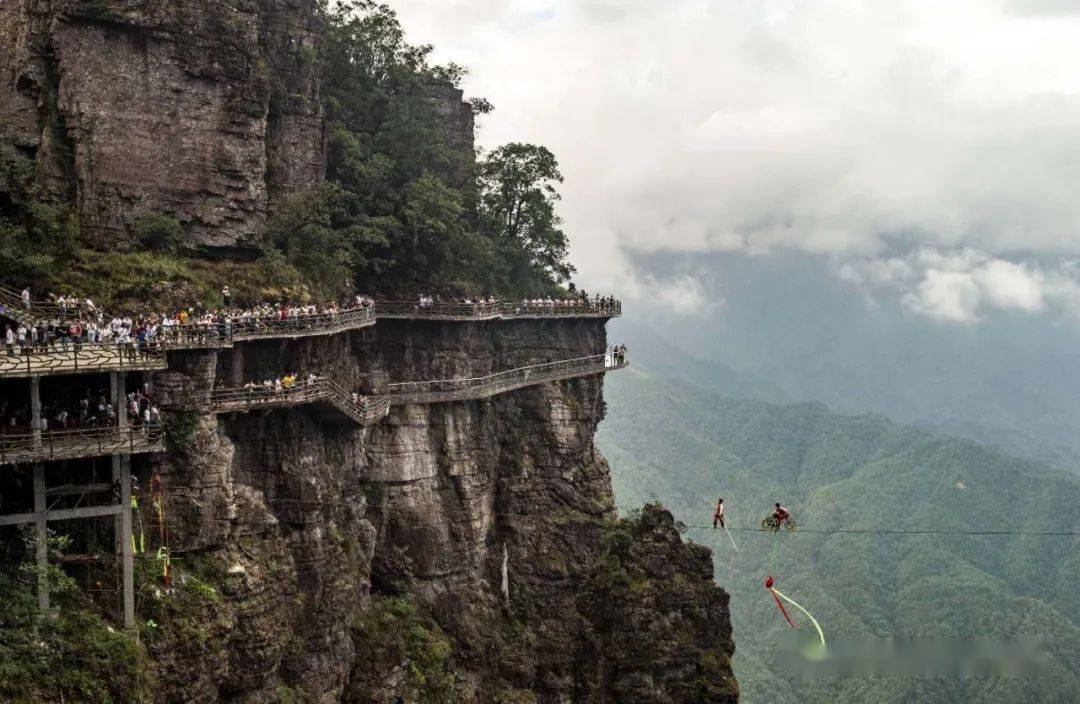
[[42, 537]]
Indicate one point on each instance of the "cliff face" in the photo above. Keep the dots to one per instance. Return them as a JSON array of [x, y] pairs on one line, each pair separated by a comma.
[[314, 522], [201, 110]]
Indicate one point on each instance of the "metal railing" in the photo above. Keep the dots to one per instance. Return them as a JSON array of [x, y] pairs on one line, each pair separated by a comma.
[[192, 336], [415, 310], [437, 310], [500, 382], [557, 309], [11, 305], [321, 389], [302, 325], [81, 442], [80, 358]]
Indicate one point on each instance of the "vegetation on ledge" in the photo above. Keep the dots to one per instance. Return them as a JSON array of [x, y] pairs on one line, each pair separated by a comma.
[[69, 654]]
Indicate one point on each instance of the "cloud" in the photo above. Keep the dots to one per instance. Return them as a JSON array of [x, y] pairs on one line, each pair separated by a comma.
[[821, 126], [963, 285]]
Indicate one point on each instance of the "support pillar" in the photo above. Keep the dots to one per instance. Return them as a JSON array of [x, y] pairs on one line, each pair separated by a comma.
[[122, 466], [35, 410], [236, 366], [42, 537], [119, 398]]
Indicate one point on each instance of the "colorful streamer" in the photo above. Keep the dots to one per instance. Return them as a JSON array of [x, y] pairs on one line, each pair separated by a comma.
[[779, 604], [778, 595]]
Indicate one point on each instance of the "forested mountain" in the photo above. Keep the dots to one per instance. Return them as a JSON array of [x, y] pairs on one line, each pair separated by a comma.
[[685, 446], [1006, 379]]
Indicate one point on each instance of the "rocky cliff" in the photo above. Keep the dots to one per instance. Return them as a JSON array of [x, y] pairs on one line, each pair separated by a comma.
[[489, 524], [203, 110]]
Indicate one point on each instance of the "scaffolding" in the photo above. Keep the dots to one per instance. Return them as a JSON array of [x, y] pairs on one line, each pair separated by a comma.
[[41, 448]]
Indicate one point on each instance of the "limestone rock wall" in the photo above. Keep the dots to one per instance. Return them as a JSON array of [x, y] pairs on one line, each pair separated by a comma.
[[202, 110]]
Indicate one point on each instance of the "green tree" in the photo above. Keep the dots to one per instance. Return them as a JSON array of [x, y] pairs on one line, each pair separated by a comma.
[[517, 197], [305, 229], [158, 232], [37, 238]]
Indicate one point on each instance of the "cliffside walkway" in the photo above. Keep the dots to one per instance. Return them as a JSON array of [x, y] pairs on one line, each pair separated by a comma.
[[12, 306], [445, 390], [321, 390], [498, 310], [84, 358], [303, 325], [83, 442]]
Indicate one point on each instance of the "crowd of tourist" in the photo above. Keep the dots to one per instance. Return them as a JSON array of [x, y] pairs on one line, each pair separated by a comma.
[[280, 384], [490, 304], [72, 323], [276, 388], [93, 410]]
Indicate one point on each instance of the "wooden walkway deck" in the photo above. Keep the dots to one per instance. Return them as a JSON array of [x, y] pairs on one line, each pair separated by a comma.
[[84, 442]]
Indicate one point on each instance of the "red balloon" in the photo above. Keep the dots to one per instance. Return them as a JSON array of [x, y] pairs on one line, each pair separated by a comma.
[[768, 583]]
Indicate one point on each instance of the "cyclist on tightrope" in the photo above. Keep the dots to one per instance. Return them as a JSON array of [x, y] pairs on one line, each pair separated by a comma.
[[780, 514]]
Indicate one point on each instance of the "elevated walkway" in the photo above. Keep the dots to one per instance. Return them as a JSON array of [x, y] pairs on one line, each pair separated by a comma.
[[82, 359], [83, 442], [303, 325], [501, 310], [322, 390], [12, 306], [445, 390]]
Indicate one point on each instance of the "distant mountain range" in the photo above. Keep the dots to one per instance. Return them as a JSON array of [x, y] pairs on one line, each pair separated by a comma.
[[685, 431], [788, 321]]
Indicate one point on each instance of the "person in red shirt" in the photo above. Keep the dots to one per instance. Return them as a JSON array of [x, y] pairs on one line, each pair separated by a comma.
[[780, 515]]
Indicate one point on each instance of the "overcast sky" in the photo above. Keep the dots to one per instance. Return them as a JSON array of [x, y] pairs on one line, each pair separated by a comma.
[[923, 145]]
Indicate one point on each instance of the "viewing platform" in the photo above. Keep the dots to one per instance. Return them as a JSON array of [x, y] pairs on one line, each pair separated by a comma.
[[83, 442], [481, 387], [84, 358], [321, 390]]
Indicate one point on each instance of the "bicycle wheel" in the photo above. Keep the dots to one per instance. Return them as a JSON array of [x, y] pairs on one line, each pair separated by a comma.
[[789, 524]]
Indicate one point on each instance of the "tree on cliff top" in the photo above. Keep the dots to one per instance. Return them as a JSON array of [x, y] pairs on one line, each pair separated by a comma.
[[517, 210], [402, 217]]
